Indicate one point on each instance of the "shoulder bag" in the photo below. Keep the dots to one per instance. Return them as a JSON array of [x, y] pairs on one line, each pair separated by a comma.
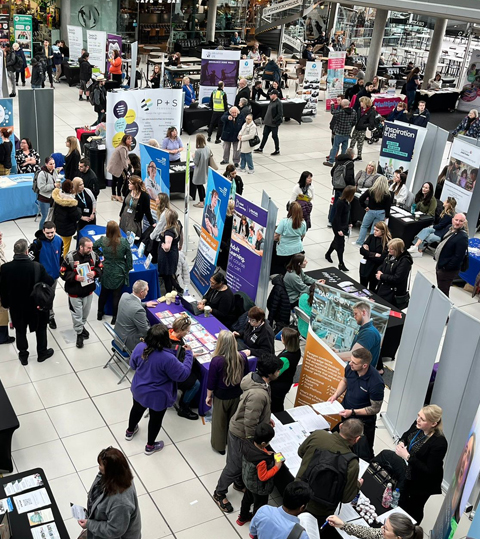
[[211, 162], [255, 141]]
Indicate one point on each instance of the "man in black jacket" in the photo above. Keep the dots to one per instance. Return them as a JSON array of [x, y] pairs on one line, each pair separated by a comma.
[[344, 119], [99, 98], [350, 92], [273, 119], [342, 160], [257, 91], [243, 91], [421, 116], [450, 253], [366, 91], [90, 180], [48, 55], [10, 62], [79, 267], [365, 119], [232, 124], [17, 280]]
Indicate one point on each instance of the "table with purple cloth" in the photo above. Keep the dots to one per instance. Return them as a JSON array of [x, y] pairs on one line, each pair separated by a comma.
[[385, 103], [213, 326], [473, 270]]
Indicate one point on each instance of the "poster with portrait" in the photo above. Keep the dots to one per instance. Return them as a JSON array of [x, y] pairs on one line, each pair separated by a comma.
[[6, 120], [4, 28], [219, 66], [155, 172], [23, 33], [246, 247], [470, 95], [461, 176], [213, 221], [113, 42], [464, 486], [335, 75]]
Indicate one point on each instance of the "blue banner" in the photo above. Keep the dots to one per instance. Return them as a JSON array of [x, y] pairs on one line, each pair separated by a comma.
[[213, 221], [155, 172], [246, 247], [397, 150], [6, 120]]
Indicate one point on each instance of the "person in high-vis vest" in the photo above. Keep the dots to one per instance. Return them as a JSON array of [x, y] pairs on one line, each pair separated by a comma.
[[218, 102]]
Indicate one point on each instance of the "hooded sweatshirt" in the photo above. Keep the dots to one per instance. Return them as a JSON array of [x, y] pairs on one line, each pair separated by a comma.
[[253, 408], [47, 252]]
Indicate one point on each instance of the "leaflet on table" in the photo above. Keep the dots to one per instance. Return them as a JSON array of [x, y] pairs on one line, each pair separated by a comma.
[[382, 518], [148, 261], [310, 524], [309, 419], [6, 506], [348, 513], [49, 531], [328, 408], [31, 500], [362, 467], [30, 481], [78, 512], [82, 270], [40, 517]]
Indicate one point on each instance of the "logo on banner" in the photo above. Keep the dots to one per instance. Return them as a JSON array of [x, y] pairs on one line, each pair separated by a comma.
[[146, 104]]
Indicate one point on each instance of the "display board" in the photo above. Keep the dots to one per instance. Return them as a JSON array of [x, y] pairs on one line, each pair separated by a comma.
[[133, 65], [6, 120], [23, 33], [155, 164], [75, 41], [213, 221], [462, 172], [246, 247], [470, 95], [96, 44], [245, 69], [4, 28], [335, 75], [311, 86], [219, 66]]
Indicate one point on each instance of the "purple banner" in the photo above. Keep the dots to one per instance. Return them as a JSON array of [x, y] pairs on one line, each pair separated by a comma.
[[113, 42], [246, 247]]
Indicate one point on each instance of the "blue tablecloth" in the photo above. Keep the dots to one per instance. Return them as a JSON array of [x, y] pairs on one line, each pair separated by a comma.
[[18, 200], [149, 275], [470, 275]]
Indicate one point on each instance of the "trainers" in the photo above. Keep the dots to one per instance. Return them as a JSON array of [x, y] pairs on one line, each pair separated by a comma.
[[23, 358], [209, 139], [251, 171], [185, 412], [218, 141], [226, 507], [243, 520], [276, 152], [416, 253], [79, 340], [52, 324], [241, 169], [412, 249], [85, 334], [129, 435], [224, 162], [328, 164], [258, 150], [157, 446], [46, 355]]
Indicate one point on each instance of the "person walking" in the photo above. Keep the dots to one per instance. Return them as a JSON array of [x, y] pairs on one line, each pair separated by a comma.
[[343, 174], [374, 252], [272, 121], [81, 266], [344, 118], [72, 159], [66, 213], [118, 166], [232, 124], [17, 281], [341, 226], [377, 208], [20, 71], [117, 263], [47, 181], [219, 104], [365, 120], [85, 76], [247, 133], [201, 160]]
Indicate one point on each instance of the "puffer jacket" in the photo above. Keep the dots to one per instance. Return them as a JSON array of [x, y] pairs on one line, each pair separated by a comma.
[[253, 408], [66, 213], [278, 304], [394, 279], [231, 128], [365, 118], [258, 469]]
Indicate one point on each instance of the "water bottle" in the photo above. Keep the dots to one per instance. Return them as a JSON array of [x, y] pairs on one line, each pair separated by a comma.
[[414, 207], [177, 300], [395, 498], [355, 500], [387, 496]]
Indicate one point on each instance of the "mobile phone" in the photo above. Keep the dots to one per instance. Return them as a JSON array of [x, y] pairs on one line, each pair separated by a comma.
[[279, 457]]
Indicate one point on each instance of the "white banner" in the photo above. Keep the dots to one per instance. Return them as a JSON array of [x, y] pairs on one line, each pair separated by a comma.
[[219, 66], [470, 96], [96, 46], [75, 41], [311, 86], [281, 6], [133, 66], [245, 69], [462, 174]]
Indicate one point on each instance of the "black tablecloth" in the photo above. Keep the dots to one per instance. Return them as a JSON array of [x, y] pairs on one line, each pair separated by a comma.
[[393, 333], [439, 102], [194, 119], [290, 109], [407, 230], [177, 179], [357, 212], [8, 424], [72, 73], [20, 527]]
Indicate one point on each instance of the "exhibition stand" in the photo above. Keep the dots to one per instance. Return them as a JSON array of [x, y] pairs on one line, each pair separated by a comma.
[[407, 227], [473, 270], [18, 199], [8, 425], [291, 109], [444, 100]]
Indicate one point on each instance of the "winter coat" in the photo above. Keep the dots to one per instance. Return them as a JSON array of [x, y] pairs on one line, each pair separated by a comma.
[[258, 339], [99, 98], [71, 165], [372, 262], [394, 279], [258, 469], [247, 133], [22, 57], [244, 92], [231, 128], [38, 74], [420, 119], [119, 161], [66, 213], [11, 60], [472, 131], [365, 118], [278, 304], [69, 273], [343, 120], [272, 72], [276, 109], [397, 115], [341, 219], [46, 183], [116, 264], [85, 71], [201, 160], [48, 252]]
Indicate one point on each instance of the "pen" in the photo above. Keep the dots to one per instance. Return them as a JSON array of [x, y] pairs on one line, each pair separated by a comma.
[[324, 524]]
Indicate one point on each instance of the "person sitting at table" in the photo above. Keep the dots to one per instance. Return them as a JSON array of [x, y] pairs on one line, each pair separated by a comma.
[[374, 252], [28, 160], [376, 89], [398, 188], [219, 297], [257, 335], [435, 233], [235, 39], [397, 526], [86, 202], [173, 144], [187, 89], [392, 276], [425, 201], [169, 240], [296, 282], [155, 76], [424, 447], [420, 116], [365, 179], [257, 91], [435, 83], [66, 213], [135, 207], [117, 263], [275, 86], [227, 368], [469, 126], [307, 54], [398, 113], [174, 60], [254, 55]]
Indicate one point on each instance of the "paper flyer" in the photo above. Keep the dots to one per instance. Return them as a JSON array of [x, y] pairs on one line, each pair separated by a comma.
[[6, 506], [40, 517], [31, 481], [82, 270], [78, 512], [47, 531], [31, 500]]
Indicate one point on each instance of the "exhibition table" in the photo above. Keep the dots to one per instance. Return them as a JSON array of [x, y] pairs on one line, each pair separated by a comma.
[[150, 275], [19, 200], [396, 320], [407, 230], [470, 275], [194, 119], [291, 109], [439, 100], [213, 326], [8, 424], [71, 72], [19, 523], [385, 103], [177, 177]]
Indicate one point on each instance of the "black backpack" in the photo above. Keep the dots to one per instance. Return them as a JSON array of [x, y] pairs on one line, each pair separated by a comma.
[[35, 188], [326, 476], [42, 294]]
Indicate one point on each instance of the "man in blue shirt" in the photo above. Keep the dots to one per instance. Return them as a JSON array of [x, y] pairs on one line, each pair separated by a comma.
[[277, 522], [368, 335]]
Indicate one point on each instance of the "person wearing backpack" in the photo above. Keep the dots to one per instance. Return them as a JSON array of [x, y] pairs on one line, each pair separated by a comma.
[[38, 74], [44, 182], [330, 468], [343, 174], [98, 98], [344, 118], [18, 280]]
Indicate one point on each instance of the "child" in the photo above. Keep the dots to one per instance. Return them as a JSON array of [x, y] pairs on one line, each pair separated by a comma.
[[258, 469]]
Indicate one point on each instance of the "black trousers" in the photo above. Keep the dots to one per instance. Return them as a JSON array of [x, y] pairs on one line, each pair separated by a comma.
[[105, 294], [445, 279], [154, 422], [267, 129], [371, 281], [22, 73], [117, 183], [169, 282], [50, 74], [40, 333], [215, 122], [201, 191], [338, 245], [250, 498], [412, 501], [117, 77]]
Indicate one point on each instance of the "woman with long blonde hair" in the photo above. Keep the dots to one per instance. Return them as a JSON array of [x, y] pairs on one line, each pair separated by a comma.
[[225, 373], [72, 159], [169, 239], [374, 252], [376, 201]]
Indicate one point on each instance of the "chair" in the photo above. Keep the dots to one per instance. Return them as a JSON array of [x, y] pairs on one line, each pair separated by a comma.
[[299, 314], [409, 199], [120, 354]]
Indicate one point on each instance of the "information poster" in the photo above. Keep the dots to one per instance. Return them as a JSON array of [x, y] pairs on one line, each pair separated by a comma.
[[96, 43], [75, 41], [470, 95], [461, 174], [335, 74], [245, 69], [114, 42], [311, 87], [133, 70], [4, 28], [246, 247], [155, 172], [22, 31], [400, 150], [219, 66], [6, 120], [213, 221]]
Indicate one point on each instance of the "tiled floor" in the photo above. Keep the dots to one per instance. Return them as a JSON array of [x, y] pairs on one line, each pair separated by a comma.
[[70, 407]]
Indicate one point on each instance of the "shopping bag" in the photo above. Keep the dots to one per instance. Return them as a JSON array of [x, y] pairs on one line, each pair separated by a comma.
[[27, 73]]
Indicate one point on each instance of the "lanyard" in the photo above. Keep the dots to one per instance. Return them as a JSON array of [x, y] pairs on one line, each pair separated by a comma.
[[412, 443], [81, 196]]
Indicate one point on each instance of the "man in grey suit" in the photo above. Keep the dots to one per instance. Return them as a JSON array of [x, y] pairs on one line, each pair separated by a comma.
[[132, 323]]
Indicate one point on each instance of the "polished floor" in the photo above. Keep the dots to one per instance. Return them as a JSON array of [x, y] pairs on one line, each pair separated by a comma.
[[70, 407]]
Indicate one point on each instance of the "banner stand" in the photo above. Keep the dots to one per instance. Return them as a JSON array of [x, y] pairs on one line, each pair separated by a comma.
[[186, 215], [262, 290]]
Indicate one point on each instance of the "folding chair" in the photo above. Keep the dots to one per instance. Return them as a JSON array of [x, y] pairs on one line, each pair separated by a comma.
[[120, 354]]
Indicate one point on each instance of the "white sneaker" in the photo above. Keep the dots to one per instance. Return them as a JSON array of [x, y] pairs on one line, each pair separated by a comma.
[[241, 169], [251, 171], [355, 243], [413, 249], [416, 254]]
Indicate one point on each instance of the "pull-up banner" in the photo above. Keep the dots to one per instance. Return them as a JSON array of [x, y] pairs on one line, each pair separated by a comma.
[[155, 165], [219, 66]]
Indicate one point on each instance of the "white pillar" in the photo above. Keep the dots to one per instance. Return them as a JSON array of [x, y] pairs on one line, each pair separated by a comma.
[[212, 19], [435, 51], [376, 44]]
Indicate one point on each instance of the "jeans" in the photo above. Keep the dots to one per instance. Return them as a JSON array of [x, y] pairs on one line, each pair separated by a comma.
[[339, 140], [34, 86], [411, 98], [246, 159], [274, 131], [427, 235], [371, 217], [189, 394], [44, 209]]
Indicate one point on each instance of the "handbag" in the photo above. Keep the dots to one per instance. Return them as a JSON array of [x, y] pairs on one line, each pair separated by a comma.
[[402, 301], [255, 141], [211, 162], [27, 73]]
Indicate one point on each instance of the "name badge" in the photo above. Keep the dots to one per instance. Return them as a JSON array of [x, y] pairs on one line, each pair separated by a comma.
[[129, 210], [86, 210]]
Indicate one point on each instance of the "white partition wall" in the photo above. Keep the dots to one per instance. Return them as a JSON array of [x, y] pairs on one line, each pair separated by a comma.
[[424, 325]]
